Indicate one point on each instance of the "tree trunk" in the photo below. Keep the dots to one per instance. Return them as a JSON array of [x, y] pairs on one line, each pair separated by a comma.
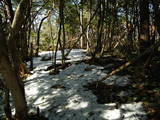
[[64, 36], [12, 80], [144, 41], [31, 57], [23, 43], [7, 107], [10, 60], [13, 37], [81, 24], [10, 12], [38, 35], [129, 26], [61, 26], [99, 29], [157, 15]]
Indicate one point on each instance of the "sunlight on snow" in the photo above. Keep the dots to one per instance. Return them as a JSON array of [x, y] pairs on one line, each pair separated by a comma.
[[111, 114], [77, 105], [73, 101]]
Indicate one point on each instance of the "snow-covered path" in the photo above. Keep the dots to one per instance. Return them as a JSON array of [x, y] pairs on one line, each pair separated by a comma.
[[63, 97]]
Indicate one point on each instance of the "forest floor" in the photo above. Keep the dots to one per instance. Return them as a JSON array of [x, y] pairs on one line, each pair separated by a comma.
[[73, 93]]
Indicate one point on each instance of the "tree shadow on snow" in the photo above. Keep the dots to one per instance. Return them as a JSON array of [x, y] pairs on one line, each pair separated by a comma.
[[64, 97]]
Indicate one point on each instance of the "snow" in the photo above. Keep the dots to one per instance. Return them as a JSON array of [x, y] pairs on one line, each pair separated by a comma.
[[111, 114], [72, 101], [75, 55]]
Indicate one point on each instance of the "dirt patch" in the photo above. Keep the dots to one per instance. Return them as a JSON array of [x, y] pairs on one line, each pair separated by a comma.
[[109, 93], [58, 66], [58, 86], [36, 117], [148, 93]]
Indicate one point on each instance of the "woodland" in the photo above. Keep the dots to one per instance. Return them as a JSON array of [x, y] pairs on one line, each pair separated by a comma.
[[79, 59]]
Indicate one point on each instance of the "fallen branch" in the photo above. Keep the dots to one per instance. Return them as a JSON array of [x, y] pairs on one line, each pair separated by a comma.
[[122, 67]]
